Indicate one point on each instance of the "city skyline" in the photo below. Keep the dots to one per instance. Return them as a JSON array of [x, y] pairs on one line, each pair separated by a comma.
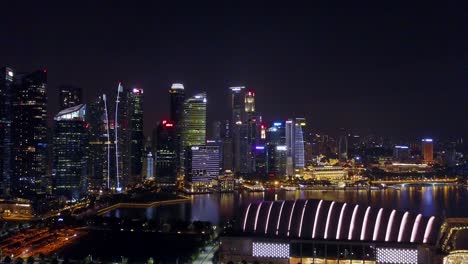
[[193, 132], [359, 69]]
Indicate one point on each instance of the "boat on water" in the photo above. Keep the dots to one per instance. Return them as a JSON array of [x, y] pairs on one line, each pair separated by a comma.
[[289, 188], [341, 185], [398, 188]]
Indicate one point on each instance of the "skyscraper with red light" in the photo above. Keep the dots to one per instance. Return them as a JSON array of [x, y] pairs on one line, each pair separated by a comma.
[[164, 138], [177, 98]]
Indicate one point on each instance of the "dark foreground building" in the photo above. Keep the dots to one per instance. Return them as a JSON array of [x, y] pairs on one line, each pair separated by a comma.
[[316, 231]]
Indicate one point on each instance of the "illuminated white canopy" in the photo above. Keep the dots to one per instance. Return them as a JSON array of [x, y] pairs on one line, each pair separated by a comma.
[[237, 88], [177, 86], [72, 113]]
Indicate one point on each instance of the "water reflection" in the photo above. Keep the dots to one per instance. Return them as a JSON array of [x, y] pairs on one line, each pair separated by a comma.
[[217, 208]]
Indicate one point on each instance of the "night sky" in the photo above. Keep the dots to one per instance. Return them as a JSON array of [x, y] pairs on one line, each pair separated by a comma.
[[399, 69]]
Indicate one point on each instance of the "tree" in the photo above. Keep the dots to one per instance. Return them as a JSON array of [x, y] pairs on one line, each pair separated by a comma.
[[42, 259], [30, 260], [7, 259]]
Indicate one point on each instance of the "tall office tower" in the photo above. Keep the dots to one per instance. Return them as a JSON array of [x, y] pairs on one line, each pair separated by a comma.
[[69, 96], [227, 161], [194, 121], [149, 166], [277, 150], [98, 145], [401, 153], [70, 143], [202, 164], [276, 134], [295, 145], [299, 152], [249, 102], [6, 118], [177, 98], [177, 94], [165, 137], [237, 119], [136, 137], [216, 131], [260, 153], [343, 145], [427, 148], [29, 133], [277, 158]]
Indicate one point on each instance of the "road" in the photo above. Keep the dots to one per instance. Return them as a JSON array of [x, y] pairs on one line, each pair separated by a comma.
[[207, 256]]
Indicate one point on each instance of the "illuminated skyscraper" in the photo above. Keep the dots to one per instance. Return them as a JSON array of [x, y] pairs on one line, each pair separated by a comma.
[[98, 144], [70, 143], [299, 153], [6, 118], [295, 145], [401, 153], [343, 145], [29, 133], [194, 121], [165, 149], [202, 164], [260, 153], [135, 137], [69, 96], [149, 166], [237, 119], [177, 97], [277, 150], [177, 94], [249, 102], [427, 147], [228, 152]]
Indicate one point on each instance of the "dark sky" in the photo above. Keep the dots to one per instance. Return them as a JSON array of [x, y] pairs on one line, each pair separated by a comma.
[[399, 69]]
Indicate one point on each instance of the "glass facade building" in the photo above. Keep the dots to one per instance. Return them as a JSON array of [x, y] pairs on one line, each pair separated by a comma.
[[194, 121], [69, 145], [136, 137], [97, 147], [203, 163], [29, 133], [165, 138]]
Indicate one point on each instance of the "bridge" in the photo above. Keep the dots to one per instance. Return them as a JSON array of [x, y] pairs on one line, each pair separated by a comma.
[[416, 181]]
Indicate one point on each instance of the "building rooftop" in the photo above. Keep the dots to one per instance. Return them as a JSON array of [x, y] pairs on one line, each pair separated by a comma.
[[336, 221]]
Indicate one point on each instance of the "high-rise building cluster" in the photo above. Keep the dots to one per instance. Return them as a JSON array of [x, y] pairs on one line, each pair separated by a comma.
[[91, 146], [100, 145]]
